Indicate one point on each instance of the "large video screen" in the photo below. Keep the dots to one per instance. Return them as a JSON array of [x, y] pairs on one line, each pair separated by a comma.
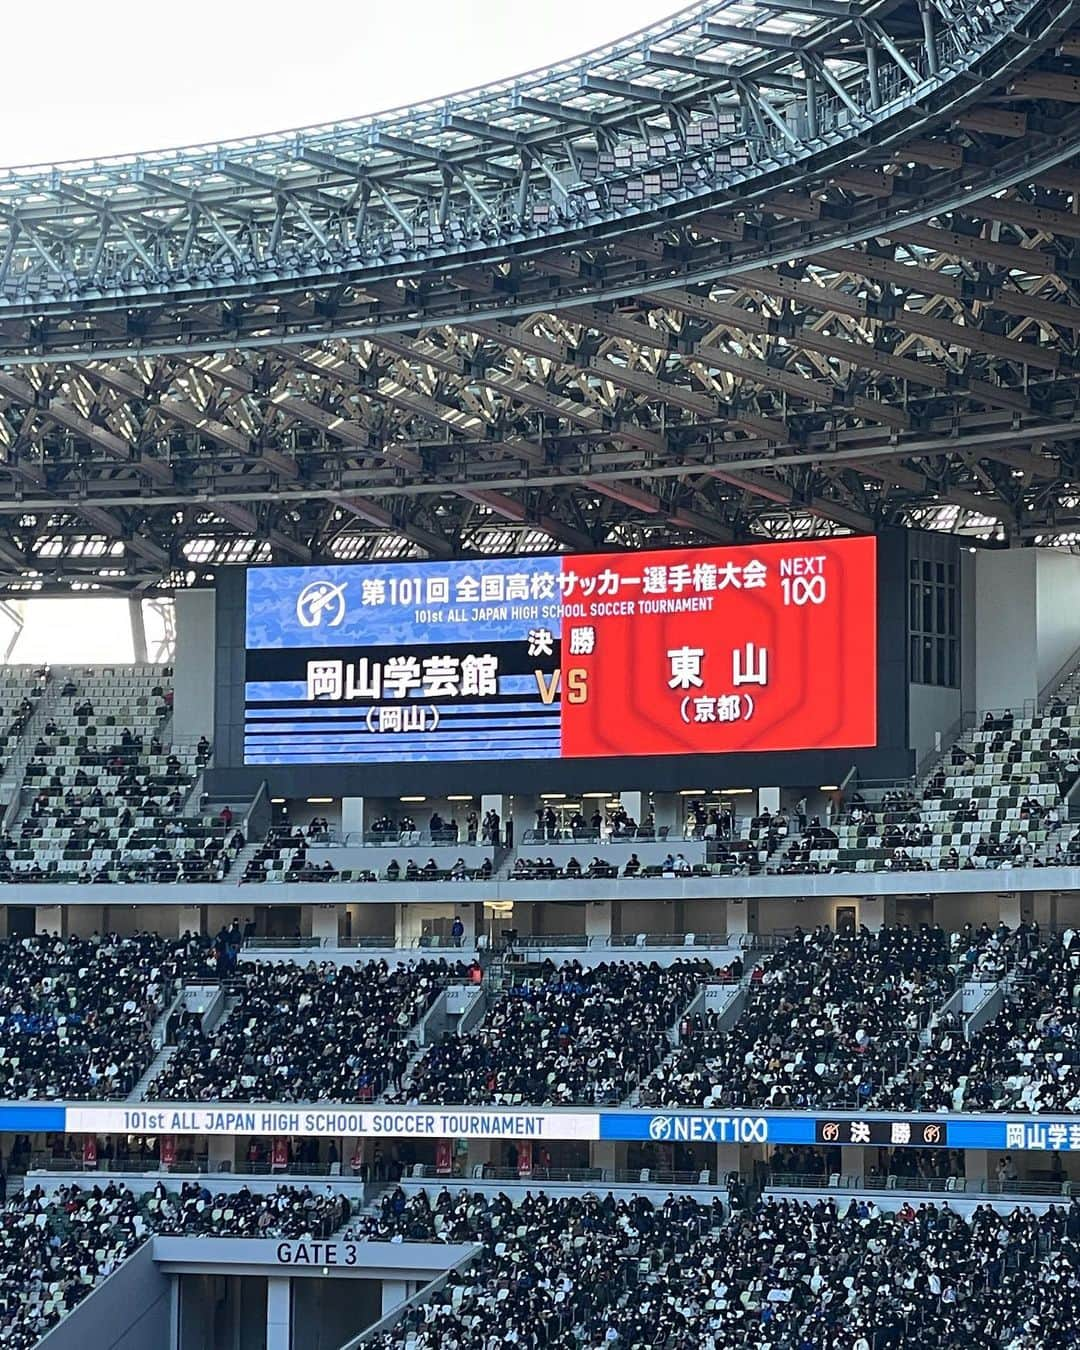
[[689, 651]]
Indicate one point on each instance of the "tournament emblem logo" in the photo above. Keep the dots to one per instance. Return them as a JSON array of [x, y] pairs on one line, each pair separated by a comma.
[[321, 602]]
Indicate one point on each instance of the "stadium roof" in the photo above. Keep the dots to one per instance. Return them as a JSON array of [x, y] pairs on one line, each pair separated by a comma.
[[762, 270]]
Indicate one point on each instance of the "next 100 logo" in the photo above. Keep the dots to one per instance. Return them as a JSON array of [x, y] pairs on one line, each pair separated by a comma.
[[709, 1129]]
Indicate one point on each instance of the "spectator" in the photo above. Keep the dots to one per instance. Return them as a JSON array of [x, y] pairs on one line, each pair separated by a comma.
[[307, 1033], [827, 1022], [577, 1035], [598, 1272], [76, 1014]]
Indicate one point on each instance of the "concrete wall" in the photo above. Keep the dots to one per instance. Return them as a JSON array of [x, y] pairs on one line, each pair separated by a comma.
[[1028, 622], [259, 1256], [128, 1311], [783, 915], [376, 857], [1006, 634], [1057, 601], [195, 666], [931, 709], [224, 901], [968, 627]]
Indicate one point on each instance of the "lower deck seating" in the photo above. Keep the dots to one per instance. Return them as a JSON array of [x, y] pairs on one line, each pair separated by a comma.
[[594, 1271]]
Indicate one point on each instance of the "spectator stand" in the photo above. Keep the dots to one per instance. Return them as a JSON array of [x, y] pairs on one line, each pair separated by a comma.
[[290, 854], [995, 798], [78, 1018], [26, 695], [678, 1275], [105, 796], [575, 1034], [307, 1033], [564, 858], [55, 1250], [816, 1027], [1021, 1051]]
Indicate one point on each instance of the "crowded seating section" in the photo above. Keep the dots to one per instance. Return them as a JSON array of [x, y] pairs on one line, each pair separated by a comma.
[[592, 1270], [859, 1020]]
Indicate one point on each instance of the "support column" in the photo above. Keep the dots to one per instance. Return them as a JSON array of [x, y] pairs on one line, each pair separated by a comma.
[[871, 912], [189, 919], [853, 1162], [1009, 909], [524, 815], [977, 1166], [220, 1149], [352, 818], [497, 804], [768, 799], [634, 804], [1042, 906], [324, 924], [727, 1161], [667, 811], [394, 1293], [195, 663], [138, 631], [479, 1153], [473, 922], [50, 919], [278, 1313], [738, 918], [598, 922], [602, 1154]]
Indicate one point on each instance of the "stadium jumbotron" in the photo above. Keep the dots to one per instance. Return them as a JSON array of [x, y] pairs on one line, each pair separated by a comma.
[[575, 844]]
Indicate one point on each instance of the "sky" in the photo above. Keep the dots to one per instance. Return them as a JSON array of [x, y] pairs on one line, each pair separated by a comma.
[[90, 78], [84, 79]]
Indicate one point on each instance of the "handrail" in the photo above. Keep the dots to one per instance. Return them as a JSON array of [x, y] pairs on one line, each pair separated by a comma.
[[533, 942], [894, 1182], [301, 943], [949, 738], [121, 1269], [394, 1316], [396, 838], [585, 1176], [1067, 668], [42, 1162], [263, 791]]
